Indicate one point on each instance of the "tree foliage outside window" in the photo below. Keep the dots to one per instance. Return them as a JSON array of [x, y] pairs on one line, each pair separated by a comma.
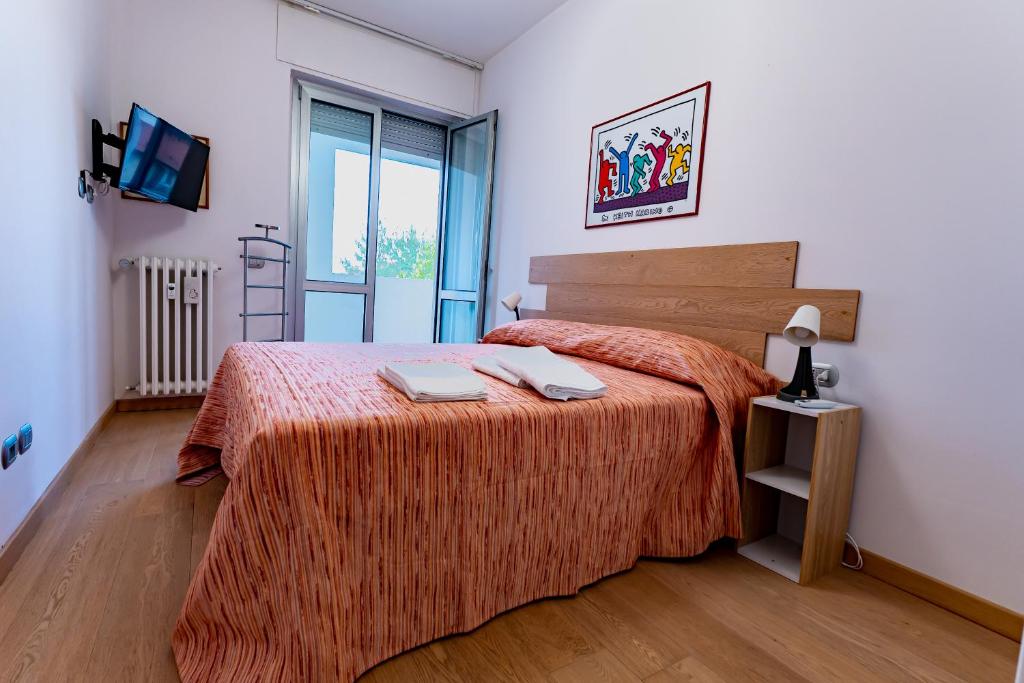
[[400, 254]]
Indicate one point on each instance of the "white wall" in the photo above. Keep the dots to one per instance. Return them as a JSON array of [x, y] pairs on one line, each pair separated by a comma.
[[214, 69], [55, 353], [363, 59], [209, 68], [886, 138]]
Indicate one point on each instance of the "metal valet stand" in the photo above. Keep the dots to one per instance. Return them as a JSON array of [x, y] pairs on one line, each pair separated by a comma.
[[257, 262]]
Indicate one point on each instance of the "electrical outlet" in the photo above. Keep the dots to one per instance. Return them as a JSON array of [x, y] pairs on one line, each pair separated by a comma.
[[24, 438], [10, 451], [825, 374]]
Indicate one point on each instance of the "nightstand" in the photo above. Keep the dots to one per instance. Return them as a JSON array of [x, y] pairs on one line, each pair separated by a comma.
[[796, 509]]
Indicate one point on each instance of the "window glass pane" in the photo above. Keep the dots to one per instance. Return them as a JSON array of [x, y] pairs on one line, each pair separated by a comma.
[[338, 193], [458, 322], [334, 317], [467, 196], [407, 232]]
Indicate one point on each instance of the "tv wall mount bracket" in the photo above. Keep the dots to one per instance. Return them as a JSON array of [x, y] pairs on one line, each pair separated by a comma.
[[100, 169], [102, 174]]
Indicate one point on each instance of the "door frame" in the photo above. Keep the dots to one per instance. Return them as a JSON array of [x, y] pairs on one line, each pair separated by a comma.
[[480, 295], [307, 92]]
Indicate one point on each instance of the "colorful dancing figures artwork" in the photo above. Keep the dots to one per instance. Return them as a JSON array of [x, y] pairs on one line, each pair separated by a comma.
[[646, 164]]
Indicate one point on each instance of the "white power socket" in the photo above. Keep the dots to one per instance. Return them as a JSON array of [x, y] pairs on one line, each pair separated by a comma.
[[825, 374]]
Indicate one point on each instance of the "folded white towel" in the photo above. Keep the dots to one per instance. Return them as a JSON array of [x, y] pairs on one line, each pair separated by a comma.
[[549, 374], [435, 381], [489, 366]]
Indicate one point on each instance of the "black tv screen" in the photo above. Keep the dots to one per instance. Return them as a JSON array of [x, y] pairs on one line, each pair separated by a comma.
[[162, 162]]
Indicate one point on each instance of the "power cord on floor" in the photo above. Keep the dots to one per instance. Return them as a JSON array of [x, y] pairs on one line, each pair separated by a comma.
[[859, 564]]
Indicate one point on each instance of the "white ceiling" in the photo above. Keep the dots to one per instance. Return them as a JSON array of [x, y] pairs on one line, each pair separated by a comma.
[[476, 29]]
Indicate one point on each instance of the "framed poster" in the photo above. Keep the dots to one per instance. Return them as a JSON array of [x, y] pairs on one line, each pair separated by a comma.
[[646, 164], [204, 193]]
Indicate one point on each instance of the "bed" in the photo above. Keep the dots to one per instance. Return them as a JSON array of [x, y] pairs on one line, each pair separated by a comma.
[[357, 524]]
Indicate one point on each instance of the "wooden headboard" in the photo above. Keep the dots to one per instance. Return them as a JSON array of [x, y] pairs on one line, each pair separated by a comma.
[[731, 295]]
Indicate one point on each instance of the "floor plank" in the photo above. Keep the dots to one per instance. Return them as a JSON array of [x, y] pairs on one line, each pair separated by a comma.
[[59, 617], [687, 628], [156, 564], [95, 594], [593, 667], [688, 669]]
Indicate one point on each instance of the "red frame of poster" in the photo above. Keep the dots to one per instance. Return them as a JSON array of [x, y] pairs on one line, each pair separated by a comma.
[[700, 168]]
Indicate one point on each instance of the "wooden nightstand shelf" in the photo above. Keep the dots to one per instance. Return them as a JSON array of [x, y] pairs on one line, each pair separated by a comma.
[[818, 489]]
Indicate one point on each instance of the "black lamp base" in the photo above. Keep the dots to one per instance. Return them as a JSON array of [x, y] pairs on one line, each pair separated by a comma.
[[802, 387]]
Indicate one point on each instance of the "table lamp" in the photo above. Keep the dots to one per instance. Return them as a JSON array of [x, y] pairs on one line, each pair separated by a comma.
[[511, 302], [802, 330]]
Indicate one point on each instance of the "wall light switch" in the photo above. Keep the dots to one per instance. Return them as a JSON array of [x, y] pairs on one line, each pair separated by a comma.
[[10, 451], [24, 438]]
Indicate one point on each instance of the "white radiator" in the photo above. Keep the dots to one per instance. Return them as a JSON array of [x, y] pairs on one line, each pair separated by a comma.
[[175, 324]]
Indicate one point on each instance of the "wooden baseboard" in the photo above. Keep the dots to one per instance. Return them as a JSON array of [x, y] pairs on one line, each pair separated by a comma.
[[979, 610], [130, 405], [16, 544]]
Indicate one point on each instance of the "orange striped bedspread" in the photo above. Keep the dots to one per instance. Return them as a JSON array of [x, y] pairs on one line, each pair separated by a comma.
[[358, 524]]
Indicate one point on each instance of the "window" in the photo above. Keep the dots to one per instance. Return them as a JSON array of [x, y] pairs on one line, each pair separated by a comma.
[[393, 217], [464, 238], [412, 157]]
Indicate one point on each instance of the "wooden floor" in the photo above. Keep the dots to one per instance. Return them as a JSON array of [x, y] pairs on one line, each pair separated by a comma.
[[95, 595]]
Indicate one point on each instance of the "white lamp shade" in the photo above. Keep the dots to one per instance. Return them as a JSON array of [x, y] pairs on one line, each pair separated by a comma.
[[804, 327], [511, 302]]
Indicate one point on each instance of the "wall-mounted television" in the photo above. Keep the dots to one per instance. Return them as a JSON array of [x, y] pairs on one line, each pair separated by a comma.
[[161, 162]]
